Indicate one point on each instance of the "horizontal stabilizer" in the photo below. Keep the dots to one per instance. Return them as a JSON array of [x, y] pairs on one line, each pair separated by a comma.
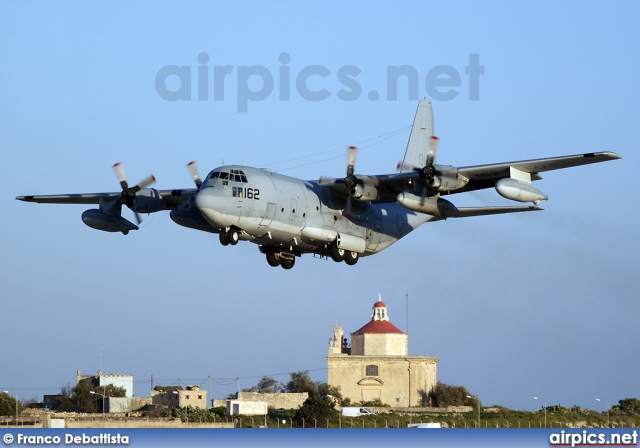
[[464, 212]]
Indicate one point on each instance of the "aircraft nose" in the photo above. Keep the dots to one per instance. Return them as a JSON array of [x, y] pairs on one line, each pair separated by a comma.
[[204, 200], [210, 206]]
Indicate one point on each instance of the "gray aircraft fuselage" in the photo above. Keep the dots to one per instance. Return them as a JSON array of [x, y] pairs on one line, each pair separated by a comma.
[[283, 213]]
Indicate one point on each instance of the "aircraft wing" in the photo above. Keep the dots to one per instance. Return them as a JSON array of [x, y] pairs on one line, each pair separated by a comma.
[[170, 197], [486, 176]]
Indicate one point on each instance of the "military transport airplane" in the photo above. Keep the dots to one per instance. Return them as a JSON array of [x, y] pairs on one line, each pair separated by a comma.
[[343, 218]]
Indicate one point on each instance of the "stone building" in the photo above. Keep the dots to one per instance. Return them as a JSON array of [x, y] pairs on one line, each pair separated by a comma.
[[102, 379], [377, 366], [273, 400], [191, 396]]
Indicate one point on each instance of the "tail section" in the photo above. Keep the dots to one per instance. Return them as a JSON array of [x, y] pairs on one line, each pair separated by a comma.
[[421, 132]]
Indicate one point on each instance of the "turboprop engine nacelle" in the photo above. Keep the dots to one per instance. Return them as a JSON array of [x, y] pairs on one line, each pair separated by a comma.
[[448, 179], [367, 189], [188, 215], [147, 200], [517, 190], [99, 220], [431, 206]]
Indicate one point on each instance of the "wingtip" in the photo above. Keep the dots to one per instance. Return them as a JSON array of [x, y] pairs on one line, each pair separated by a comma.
[[613, 155]]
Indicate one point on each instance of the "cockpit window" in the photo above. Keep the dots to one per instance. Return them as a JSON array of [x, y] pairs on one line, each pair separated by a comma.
[[233, 176]]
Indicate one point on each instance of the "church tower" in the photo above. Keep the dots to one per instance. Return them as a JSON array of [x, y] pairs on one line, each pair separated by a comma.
[[379, 336], [377, 368]]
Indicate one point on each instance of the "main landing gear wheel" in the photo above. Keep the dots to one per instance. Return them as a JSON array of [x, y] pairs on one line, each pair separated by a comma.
[[273, 260], [223, 238], [337, 255], [232, 236], [288, 264], [351, 258]]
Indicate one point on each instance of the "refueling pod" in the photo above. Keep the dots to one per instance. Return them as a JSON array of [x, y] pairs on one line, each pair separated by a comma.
[[520, 191], [99, 220], [431, 206]]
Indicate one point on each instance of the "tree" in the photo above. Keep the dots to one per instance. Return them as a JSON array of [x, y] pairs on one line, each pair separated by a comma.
[[63, 400], [318, 407], [445, 395], [81, 398], [8, 404], [267, 385], [300, 382], [167, 388], [629, 406]]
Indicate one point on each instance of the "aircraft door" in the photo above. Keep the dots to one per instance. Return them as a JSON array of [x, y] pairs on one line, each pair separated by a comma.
[[268, 215]]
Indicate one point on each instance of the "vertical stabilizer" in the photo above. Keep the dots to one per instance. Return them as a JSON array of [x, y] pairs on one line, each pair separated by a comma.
[[421, 132]]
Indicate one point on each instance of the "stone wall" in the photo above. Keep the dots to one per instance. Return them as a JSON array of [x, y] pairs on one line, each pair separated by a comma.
[[274, 401]]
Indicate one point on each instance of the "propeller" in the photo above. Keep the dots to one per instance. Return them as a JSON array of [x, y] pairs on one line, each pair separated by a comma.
[[349, 180], [428, 171], [193, 170], [129, 193]]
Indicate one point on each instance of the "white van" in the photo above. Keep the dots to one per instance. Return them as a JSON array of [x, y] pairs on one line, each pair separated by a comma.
[[356, 412], [424, 425]]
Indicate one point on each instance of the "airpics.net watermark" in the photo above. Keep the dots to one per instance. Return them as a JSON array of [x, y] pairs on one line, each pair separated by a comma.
[[255, 83]]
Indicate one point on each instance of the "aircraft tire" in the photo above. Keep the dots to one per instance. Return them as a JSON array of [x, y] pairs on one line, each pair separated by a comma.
[[223, 238], [351, 258], [288, 264], [337, 255], [232, 236], [273, 260]]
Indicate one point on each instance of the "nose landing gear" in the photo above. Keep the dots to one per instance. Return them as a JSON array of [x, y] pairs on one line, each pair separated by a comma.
[[229, 236]]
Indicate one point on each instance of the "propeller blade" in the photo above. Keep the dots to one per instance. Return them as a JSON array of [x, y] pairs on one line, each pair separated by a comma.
[[347, 206], [327, 180], [431, 150], [193, 170], [406, 167], [351, 160], [143, 183], [119, 170], [137, 216]]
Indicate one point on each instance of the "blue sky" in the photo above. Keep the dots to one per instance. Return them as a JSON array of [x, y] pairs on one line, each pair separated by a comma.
[[542, 304]]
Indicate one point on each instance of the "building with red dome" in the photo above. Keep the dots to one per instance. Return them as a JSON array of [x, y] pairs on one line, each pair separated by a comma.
[[376, 366]]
